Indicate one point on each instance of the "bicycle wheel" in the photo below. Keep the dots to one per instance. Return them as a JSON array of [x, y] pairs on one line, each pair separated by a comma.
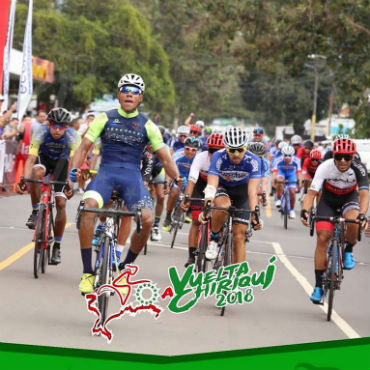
[[332, 272], [46, 245], [286, 211], [200, 260], [174, 233], [39, 245], [104, 279], [228, 257]]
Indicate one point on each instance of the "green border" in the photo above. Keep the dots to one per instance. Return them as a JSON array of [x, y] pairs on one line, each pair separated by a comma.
[[351, 354]]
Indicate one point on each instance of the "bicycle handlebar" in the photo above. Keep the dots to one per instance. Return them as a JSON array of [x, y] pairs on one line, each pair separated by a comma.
[[45, 182]]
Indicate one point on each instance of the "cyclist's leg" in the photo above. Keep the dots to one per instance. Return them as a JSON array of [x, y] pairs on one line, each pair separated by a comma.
[[279, 188], [292, 191], [351, 210], [123, 234], [171, 201], [97, 194], [158, 185]]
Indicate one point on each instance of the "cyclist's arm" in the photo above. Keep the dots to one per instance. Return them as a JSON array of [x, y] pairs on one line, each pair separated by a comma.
[[81, 152], [363, 195], [253, 192], [168, 164], [31, 159], [211, 188], [189, 188], [308, 199]]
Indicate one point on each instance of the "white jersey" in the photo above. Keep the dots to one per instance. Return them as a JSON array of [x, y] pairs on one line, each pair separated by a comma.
[[328, 176], [200, 167]]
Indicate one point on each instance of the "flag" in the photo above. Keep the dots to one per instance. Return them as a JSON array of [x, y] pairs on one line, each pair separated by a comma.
[[8, 47], [25, 79]]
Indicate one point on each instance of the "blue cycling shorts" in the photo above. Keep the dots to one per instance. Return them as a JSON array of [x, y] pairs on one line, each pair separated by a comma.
[[291, 177], [127, 182]]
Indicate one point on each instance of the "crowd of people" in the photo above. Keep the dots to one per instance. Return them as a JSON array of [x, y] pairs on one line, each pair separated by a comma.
[[124, 150]]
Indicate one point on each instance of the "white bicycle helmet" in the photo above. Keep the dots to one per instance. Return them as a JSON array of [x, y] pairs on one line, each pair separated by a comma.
[[235, 137], [282, 144], [288, 150], [295, 139], [183, 130], [133, 80], [200, 124]]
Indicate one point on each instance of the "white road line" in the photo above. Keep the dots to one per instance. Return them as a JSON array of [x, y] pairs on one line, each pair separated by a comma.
[[341, 323]]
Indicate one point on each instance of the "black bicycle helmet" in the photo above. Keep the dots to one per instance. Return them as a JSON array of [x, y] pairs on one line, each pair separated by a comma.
[[193, 142], [308, 144], [59, 116]]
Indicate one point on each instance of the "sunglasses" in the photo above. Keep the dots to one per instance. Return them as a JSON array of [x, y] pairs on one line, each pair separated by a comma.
[[239, 150], [347, 157], [183, 135], [190, 149], [287, 156], [130, 89], [314, 160], [55, 126], [194, 132]]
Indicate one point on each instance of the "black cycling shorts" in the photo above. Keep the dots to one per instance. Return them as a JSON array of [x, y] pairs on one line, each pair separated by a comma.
[[239, 199]]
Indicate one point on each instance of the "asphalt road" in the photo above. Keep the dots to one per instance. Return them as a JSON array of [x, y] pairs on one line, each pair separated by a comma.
[[50, 310]]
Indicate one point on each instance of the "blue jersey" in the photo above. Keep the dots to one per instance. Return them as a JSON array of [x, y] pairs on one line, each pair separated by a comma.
[[183, 164], [288, 169], [176, 145], [62, 148], [265, 167], [124, 137], [203, 140], [231, 174]]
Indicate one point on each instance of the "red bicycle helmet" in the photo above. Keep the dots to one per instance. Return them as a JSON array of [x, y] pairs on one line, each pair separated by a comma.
[[194, 128], [344, 146], [315, 154], [216, 141]]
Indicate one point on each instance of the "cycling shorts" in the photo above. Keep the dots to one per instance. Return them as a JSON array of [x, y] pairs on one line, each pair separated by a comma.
[[160, 178], [197, 206], [291, 177], [57, 167], [330, 202], [239, 199], [127, 182]]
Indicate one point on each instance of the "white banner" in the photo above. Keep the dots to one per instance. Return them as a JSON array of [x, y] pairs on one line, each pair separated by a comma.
[[8, 47], [25, 79], [2, 160]]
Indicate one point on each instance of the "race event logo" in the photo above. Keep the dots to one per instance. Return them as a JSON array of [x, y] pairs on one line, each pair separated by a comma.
[[230, 285]]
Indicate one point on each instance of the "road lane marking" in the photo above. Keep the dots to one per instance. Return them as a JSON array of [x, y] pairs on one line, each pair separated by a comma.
[[341, 323], [18, 254]]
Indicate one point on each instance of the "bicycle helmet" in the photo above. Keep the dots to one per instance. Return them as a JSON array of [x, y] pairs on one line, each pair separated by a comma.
[[235, 137], [195, 128], [257, 148], [315, 154], [295, 139], [288, 150], [216, 141], [59, 116], [308, 144], [199, 124], [342, 136], [192, 142], [207, 130], [133, 80], [282, 144], [344, 146], [183, 130], [258, 131]]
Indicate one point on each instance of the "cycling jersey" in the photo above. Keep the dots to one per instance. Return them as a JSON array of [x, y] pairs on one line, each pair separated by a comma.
[[183, 164], [340, 183], [309, 167], [176, 145], [123, 137], [265, 167], [302, 154], [146, 165], [231, 174], [200, 167], [61, 148], [288, 170]]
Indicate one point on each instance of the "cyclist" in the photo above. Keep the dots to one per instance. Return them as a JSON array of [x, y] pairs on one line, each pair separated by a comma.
[[287, 168], [296, 142], [124, 133], [304, 151], [183, 162], [195, 131], [258, 148], [50, 149], [197, 181], [345, 185], [309, 167], [258, 133], [233, 176], [182, 133]]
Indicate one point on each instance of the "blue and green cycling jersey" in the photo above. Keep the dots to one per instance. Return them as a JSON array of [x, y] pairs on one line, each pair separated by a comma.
[[62, 148], [124, 137]]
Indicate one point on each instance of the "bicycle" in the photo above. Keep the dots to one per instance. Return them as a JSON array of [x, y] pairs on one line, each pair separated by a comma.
[[105, 261], [285, 201], [44, 231], [177, 218], [226, 244], [334, 270]]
